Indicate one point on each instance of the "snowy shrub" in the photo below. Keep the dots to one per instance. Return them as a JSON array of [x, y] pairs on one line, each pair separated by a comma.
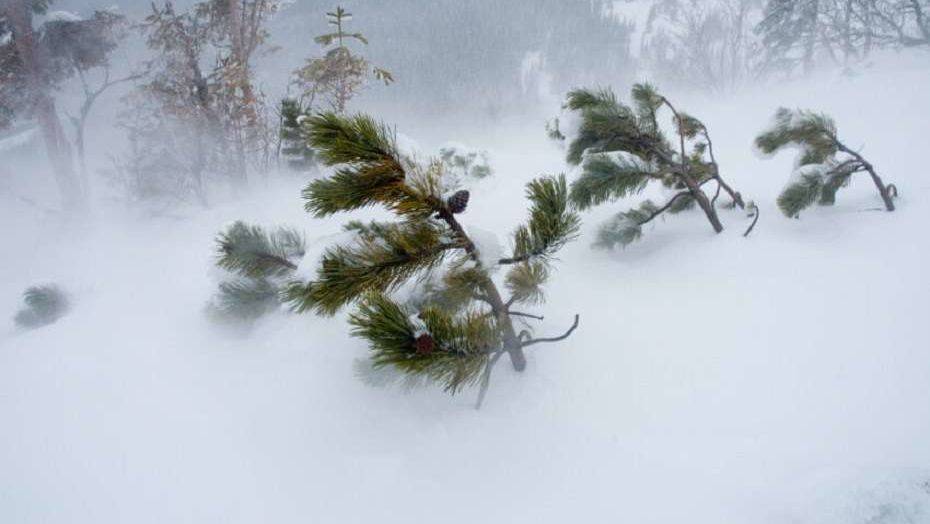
[[463, 162], [43, 306]]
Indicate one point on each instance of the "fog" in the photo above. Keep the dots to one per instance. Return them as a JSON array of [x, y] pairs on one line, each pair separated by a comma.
[[774, 372]]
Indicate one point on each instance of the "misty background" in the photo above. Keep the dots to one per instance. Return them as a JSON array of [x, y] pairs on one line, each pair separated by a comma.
[[482, 63]]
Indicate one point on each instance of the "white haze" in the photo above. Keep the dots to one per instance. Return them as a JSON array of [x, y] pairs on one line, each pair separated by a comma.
[[783, 378]]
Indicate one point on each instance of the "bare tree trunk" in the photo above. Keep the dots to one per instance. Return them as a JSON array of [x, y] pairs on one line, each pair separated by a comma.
[[511, 342], [701, 198], [693, 187], [869, 22], [847, 33], [920, 18], [241, 55], [58, 148], [80, 122], [813, 30]]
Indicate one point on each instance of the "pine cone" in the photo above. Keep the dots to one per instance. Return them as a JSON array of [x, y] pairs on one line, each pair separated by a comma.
[[425, 344], [458, 202]]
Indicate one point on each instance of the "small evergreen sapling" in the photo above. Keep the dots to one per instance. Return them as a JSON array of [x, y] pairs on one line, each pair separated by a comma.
[[461, 323], [261, 263], [622, 149], [340, 74], [292, 137], [825, 164], [44, 305]]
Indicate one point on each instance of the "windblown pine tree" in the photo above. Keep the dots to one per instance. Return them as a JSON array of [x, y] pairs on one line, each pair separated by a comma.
[[460, 328], [825, 165], [622, 149], [261, 263]]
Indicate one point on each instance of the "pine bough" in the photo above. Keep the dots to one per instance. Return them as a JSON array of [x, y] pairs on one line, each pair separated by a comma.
[[260, 264], [461, 323]]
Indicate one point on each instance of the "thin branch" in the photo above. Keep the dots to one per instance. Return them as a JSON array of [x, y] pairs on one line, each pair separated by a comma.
[[521, 258], [755, 220], [664, 208], [482, 298], [713, 201], [553, 339], [681, 136], [525, 315], [737, 198], [486, 377]]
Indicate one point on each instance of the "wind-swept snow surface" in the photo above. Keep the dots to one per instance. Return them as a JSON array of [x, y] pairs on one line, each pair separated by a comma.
[[783, 378]]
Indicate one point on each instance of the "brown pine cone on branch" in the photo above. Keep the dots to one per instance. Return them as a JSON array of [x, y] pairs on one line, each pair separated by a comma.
[[424, 344], [458, 202]]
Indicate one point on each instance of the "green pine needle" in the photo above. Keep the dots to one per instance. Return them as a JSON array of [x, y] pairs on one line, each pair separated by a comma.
[[354, 140], [381, 259], [647, 100], [605, 178], [250, 251], [580, 99], [832, 183], [552, 223], [461, 344], [626, 227], [814, 133], [455, 291], [690, 127], [525, 281], [800, 194], [371, 172], [246, 299]]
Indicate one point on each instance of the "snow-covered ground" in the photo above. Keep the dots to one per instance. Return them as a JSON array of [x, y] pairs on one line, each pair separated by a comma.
[[783, 378]]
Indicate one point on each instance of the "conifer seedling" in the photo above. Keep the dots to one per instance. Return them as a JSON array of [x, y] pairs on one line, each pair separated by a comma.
[[339, 74], [292, 138], [456, 330], [621, 149], [825, 164]]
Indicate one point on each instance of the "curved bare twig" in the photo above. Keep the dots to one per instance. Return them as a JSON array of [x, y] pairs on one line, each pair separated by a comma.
[[554, 339]]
